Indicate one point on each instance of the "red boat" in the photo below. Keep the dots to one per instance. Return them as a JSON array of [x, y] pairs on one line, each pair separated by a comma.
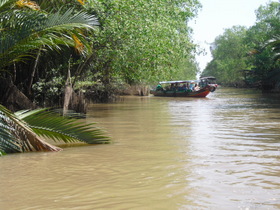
[[186, 88]]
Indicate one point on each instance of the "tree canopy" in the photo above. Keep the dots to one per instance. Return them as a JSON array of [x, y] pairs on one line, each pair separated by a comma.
[[253, 50], [144, 40], [25, 28], [97, 41], [230, 56]]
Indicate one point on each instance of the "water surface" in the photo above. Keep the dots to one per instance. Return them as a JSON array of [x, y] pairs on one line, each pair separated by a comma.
[[219, 152]]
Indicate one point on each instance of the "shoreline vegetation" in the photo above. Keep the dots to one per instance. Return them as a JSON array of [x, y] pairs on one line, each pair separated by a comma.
[[50, 50], [249, 57]]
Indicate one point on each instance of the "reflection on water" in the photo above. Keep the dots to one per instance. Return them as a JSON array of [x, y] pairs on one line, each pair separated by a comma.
[[219, 152]]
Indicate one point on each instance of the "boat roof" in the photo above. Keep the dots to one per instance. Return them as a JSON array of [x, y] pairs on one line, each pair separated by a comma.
[[209, 77], [187, 81], [179, 81]]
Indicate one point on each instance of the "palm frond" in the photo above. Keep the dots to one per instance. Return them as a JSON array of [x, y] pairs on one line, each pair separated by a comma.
[[17, 136], [274, 44], [6, 4], [8, 142], [52, 125], [22, 31]]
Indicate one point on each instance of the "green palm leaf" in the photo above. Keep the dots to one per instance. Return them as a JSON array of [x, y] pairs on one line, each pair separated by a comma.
[[8, 142], [275, 45], [6, 4], [51, 125], [22, 31], [23, 131], [17, 136]]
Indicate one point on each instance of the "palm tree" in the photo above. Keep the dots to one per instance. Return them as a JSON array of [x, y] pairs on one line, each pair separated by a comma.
[[27, 32], [24, 31], [275, 44], [25, 131]]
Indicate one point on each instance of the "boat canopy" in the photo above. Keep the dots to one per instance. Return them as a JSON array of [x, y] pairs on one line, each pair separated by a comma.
[[209, 78], [179, 81]]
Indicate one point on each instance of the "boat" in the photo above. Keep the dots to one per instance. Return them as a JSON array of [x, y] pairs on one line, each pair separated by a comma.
[[186, 88]]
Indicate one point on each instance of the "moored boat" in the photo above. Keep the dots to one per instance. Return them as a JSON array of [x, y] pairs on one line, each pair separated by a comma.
[[186, 88]]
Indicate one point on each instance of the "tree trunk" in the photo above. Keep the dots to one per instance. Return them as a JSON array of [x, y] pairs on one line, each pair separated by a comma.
[[33, 73], [67, 92], [72, 100], [12, 98]]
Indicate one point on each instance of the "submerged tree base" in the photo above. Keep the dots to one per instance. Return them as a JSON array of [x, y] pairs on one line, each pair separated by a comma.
[[139, 90]]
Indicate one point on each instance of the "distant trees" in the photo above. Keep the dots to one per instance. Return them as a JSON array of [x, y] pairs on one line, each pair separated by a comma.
[[229, 56], [253, 49]]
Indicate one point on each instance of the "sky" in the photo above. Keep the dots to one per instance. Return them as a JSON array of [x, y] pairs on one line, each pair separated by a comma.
[[217, 15]]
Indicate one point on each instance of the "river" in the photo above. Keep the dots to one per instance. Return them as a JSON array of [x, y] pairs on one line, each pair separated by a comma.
[[219, 152]]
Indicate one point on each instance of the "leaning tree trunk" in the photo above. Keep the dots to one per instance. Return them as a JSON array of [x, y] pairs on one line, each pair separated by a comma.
[[12, 98]]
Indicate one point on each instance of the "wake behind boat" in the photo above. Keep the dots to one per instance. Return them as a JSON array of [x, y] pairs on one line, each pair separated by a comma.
[[186, 88]]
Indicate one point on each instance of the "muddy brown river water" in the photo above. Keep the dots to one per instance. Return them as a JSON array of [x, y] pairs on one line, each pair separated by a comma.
[[219, 152]]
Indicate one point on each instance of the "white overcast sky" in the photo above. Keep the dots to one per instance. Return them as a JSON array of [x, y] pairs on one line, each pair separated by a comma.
[[217, 15]]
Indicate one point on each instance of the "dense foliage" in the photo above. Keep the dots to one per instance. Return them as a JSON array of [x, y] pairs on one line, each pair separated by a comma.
[[145, 40], [252, 52], [230, 56], [47, 47], [26, 28], [31, 37], [100, 43]]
